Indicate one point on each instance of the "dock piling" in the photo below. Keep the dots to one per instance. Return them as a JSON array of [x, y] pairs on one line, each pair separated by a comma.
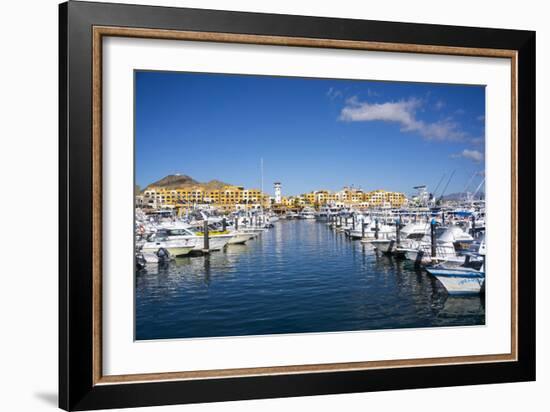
[[206, 245], [432, 237], [398, 232]]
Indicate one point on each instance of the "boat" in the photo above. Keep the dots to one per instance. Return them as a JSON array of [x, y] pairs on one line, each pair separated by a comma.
[[408, 234], [164, 241], [291, 215], [194, 234], [459, 280], [239, 238], [420, 251], [462, 240], [307, 213], [356, 229], [384, 232], [325, 212]]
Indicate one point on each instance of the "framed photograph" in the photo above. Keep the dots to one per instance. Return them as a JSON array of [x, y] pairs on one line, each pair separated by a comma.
[[257, 205]]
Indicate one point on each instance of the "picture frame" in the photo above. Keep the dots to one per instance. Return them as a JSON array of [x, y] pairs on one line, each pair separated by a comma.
[[82, 28]]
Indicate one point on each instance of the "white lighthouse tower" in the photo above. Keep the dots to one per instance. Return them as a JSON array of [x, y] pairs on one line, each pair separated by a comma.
[[277, 186]]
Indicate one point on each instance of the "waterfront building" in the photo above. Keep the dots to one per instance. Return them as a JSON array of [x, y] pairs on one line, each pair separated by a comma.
[[231, 197], [383, 198], [225, 198], [350, 196]]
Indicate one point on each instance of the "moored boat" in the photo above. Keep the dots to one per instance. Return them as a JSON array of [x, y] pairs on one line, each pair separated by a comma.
[[459, 280]]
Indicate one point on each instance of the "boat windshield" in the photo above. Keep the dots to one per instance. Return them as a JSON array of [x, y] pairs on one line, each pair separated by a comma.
[[179, 232]]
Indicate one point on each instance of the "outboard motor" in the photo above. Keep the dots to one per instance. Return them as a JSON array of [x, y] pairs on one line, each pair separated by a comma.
[[140, 262], [163, 255]]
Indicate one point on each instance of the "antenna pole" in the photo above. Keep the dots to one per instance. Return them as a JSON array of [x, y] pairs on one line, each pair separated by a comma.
[[262, 182]]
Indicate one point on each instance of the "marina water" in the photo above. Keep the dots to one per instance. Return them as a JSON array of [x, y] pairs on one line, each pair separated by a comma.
[[298, 277]]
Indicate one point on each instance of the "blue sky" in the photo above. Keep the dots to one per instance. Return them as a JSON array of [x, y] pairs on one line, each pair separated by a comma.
[[311, 133]]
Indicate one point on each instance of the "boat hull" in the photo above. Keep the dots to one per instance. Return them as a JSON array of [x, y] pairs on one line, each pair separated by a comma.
[[239, 239], [461, 285], [214, 242], [355, 234], [384, 246], [459, 281], [150, 253]]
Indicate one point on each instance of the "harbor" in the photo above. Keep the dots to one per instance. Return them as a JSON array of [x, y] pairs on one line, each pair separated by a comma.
[[269, 205], [327, 269]]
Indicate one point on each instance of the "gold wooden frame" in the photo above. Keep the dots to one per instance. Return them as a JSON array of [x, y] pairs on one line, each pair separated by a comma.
[[101, 31]]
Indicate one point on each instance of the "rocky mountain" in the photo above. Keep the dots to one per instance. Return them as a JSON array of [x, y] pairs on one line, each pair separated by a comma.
[[178, 181]]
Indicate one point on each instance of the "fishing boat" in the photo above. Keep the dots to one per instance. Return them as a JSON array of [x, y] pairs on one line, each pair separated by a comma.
[[307, 213], [421, 251], [376, 231], [325, 212], [459, 280], [240, 237], [461, 239], [356, 229], [409, 233]]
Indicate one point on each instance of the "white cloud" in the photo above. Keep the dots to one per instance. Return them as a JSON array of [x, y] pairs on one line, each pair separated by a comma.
[[439, 105], [333, 93], [402, 112], [477, 141], [474, 155]]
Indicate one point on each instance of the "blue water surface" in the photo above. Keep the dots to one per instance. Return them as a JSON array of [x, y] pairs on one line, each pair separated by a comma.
[[298, 277]]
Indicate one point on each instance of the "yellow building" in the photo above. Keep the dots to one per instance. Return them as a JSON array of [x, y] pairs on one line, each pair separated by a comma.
[[385, 198], [224, 197], [233, 197]]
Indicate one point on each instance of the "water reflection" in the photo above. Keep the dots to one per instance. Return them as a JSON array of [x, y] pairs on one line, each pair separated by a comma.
[[297, 277]]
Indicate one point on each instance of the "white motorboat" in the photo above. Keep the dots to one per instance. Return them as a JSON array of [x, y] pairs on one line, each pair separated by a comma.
[[461, 239], [355, 231], [408, 233], [239, 238], [216, 239], [375, 232], [325, 212], [307, 213], [421, 251], [163, 239], [459, 280]]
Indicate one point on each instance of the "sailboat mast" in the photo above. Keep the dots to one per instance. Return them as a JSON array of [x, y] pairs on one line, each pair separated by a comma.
[[262, 183]]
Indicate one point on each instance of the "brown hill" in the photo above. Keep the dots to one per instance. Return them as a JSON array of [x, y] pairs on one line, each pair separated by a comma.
[[174, 181], [214, 185], [180, 181]]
